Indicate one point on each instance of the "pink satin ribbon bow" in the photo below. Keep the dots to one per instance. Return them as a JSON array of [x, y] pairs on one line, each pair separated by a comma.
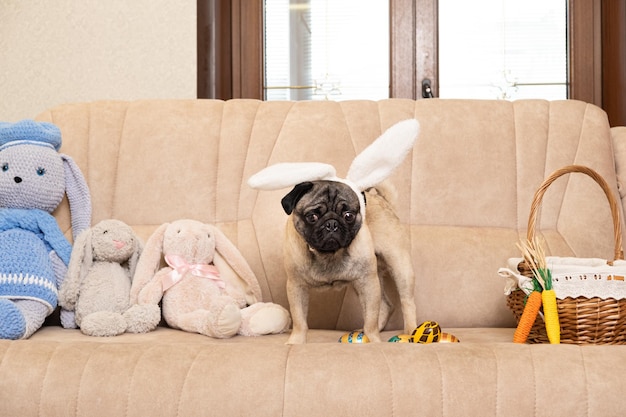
[[180, 267]]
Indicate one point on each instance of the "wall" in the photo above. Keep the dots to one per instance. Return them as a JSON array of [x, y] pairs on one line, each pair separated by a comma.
[[53, 52]]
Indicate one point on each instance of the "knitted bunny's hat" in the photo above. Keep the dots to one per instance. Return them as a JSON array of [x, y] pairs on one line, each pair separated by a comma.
[[43, 195], [373, 165], [39, 133]]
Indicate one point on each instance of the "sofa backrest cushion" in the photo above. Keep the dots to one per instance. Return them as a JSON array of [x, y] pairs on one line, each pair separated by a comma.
[[464, 192]]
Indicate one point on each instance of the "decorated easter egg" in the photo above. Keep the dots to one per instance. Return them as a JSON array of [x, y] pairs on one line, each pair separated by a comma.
[[354, 337], [448, 338], [427, 332], [400, 338]]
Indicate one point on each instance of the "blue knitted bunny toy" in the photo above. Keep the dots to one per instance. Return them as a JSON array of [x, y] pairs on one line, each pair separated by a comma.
[[34, 253]]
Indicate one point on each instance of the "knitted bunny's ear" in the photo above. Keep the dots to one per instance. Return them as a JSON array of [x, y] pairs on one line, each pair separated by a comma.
[[288, 174], [376, 162], [78, 195]]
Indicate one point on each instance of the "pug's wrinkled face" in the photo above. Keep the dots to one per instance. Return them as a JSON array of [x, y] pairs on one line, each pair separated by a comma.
[[325, 213]]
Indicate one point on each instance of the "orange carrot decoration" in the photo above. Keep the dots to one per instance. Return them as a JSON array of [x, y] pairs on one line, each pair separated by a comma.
[[529, 315], [536, 259]]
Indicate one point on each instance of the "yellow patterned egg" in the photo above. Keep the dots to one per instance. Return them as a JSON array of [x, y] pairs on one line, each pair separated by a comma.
[[427, 332], [400, 338], [448, 338], [354, 337]]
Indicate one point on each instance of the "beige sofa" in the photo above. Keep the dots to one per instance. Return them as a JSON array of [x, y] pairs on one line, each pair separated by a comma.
[[464, 193]]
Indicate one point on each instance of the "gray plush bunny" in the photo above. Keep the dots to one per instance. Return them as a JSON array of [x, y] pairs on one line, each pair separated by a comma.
[[97, 285], [34, 253]]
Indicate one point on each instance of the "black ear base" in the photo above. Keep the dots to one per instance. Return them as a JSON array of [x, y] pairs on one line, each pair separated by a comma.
[[290, 200]]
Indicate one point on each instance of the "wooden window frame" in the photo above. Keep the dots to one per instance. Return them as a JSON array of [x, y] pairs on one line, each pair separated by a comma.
[[614, 60], [214, 60], [414, 25], [230, 49], [585, 51]]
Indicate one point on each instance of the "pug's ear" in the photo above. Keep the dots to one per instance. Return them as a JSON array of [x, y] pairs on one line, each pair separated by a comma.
[[290, 200]]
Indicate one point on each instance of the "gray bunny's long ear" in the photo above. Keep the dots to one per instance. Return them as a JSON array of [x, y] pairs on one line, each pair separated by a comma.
[[80, 262], [134, 258], [78, 196]]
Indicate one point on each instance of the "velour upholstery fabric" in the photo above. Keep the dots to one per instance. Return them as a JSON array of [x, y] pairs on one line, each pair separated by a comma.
[[464, 193]]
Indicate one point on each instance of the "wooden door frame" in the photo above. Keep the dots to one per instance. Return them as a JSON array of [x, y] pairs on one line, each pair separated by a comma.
[[214, 73], [585, 51], [230, 48], [614, 60], [247, 41]]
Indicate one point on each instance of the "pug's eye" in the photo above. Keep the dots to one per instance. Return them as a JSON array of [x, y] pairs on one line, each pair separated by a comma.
[[5, 167], [41, 171], [312, 218], [349, 217]]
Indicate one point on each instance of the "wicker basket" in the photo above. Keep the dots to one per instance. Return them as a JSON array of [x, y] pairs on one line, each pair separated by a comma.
[[583, 320]]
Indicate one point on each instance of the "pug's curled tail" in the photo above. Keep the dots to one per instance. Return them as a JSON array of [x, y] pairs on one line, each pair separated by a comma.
[[386, 190]]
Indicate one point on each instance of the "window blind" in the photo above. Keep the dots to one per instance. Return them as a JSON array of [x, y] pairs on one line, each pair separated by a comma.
[[326, 49], [506, 49]]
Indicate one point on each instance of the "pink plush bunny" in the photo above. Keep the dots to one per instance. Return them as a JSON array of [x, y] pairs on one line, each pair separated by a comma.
[[207, 287]]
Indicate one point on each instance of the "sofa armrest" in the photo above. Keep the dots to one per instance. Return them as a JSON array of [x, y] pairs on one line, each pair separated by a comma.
[[618, 135]]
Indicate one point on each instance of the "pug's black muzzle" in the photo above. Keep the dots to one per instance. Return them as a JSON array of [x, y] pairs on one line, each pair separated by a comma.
[[330, 235]]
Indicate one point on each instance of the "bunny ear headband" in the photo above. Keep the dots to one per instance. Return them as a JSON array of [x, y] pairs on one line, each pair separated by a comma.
[[373, 165]]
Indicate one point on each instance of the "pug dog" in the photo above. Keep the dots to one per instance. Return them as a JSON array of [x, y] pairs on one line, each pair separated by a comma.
[[345, 231], [328, 243]]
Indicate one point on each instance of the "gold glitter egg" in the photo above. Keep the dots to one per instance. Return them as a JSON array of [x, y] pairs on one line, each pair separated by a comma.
[[427, 332]]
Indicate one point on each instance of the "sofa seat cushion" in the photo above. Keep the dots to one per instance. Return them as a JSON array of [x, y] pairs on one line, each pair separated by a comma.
[[169, 372]]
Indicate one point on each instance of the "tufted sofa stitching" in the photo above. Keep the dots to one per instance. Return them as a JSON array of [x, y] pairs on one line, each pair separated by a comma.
[[285, 379], [393, 396], [263, 159], [246, 221], [185, 382], [498, 392], [517, 160], [216, 185], [135, 382], [586, 397], [345, 292], [116, 179], [80, 385], [43, 382], [442, 388], [534, 387], [567, 180]]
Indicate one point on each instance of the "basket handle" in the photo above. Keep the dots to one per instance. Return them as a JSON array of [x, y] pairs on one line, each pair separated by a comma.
[[615, 210]]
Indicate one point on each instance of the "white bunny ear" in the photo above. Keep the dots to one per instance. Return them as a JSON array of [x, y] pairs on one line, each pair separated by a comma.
[[288, 174], [376, 162]]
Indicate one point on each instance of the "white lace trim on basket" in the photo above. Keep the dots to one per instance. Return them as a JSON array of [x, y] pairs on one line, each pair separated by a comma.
[[573, 277]]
